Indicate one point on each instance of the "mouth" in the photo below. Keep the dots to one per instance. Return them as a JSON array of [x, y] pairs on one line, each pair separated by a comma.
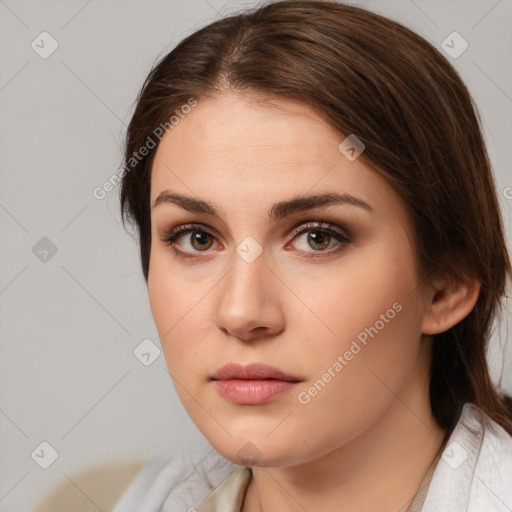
[[253, 384]]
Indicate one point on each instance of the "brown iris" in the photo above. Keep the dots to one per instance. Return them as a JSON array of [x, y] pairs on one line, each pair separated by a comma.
[[319, 238], [200, 238]]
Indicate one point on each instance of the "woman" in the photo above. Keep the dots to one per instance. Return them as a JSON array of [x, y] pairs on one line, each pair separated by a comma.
[[324, 254]]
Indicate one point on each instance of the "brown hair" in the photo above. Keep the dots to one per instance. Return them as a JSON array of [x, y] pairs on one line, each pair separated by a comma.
[[369, 76]]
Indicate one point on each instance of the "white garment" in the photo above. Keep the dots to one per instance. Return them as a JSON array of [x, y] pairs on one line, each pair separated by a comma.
[[474, 474]]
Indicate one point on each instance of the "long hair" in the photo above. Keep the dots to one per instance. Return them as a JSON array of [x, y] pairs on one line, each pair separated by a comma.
[[367, 75]]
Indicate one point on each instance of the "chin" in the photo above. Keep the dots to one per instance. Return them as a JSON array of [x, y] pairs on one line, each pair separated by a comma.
[[258, 453]]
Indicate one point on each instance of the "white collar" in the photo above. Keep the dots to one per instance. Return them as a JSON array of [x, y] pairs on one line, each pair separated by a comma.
[[474, 473]]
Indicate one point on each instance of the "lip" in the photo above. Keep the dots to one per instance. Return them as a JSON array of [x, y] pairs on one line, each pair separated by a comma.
[[253, 371], [253, 384]]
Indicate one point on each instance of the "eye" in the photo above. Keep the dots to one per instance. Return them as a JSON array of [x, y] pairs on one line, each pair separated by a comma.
[[200, 239], [320, 236]]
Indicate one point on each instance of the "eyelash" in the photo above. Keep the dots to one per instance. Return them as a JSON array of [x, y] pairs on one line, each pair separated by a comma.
[[331, 229]]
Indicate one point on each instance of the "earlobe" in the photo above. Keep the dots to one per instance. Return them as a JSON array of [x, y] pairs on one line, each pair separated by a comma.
[[452, 301]]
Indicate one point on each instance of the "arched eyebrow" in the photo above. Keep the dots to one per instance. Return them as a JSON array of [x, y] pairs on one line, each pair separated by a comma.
[[277, 211]]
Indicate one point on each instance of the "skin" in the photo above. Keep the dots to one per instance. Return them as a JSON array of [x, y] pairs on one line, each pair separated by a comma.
[[367, 439]]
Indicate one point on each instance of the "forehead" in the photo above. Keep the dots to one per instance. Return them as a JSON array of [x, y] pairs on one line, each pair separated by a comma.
[[233, 127], [238, 149]]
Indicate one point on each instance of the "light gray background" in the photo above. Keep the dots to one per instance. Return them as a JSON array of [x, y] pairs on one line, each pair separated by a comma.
[[69, 325]]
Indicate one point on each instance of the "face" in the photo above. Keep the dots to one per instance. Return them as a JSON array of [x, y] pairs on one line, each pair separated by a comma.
[[326, 292]]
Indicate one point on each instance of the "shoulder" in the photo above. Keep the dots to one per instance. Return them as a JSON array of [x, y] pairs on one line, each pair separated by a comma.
[[171, 482], [474, 472]]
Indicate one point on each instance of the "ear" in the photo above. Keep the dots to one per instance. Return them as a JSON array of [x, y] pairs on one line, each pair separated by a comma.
[[451, 301]]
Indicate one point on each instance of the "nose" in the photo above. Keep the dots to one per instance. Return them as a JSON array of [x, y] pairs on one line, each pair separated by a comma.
[[249, 306]]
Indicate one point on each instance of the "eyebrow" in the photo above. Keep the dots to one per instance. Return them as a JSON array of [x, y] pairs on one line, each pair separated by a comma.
[[278, 211]]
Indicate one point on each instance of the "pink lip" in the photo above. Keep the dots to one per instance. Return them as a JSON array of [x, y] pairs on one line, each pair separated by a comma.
[[252, 371], [253, 384]]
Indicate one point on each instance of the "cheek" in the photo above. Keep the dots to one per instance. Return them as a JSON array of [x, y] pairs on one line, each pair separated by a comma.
[[363, 285], [175, 306], [375, 314], [372, 312]]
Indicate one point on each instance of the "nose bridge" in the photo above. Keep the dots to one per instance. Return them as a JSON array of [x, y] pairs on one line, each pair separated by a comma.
[[247, 282], [246, 298]]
